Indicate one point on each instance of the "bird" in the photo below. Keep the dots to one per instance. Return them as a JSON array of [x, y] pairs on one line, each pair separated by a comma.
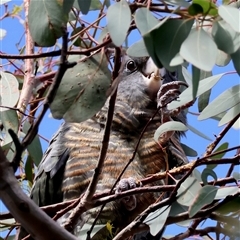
[[70, 160]]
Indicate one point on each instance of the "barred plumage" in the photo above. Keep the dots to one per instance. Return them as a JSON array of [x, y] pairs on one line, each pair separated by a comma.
[[68, 164]]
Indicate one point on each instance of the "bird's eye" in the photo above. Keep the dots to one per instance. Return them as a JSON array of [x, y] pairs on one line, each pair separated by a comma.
[[131, 66]]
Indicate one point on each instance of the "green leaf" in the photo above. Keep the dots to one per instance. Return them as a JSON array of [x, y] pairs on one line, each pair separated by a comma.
[[189, 151], [187, 191], [208, 7], [84, 6], [195, 80], [203, 99], [229, 207], [223, 59], [187, 76], [226, 191], [95, 5], [177, 209], [195, 9], [206, 173], [223, 102], [29, 169], [236, 60], [194, 130], [199, 49], [177, 60], [9, 93], [138, 49], [118, 21], [83, 90], [222, 147], [205, 196], [77, 40], [46, 20], [9, 119], [168, 38], [231, 15], [186, 96], [35, 148], [223, 33], [145, 21], [156, 220], [169, 126]]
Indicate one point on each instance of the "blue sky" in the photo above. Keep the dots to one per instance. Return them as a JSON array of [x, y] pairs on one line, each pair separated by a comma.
[[208, 127]]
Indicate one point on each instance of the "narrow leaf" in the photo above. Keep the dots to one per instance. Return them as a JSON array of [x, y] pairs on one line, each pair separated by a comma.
[[186, 96], [194, 130], [236, 60], [169, 126], [205, 196], [223, 102], [195, 81], [226, 191], [189, 151], [206, 173]]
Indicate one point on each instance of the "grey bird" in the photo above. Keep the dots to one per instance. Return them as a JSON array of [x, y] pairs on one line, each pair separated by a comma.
[[69, 162]]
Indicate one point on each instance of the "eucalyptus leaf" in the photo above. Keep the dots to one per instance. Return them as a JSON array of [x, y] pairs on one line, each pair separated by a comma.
[[46, 20], [236, 60], [200, 134], [118, 21], [189, 151], [156, 220], [231, 15], [187, 191], [223, 102], [223, 59], [199, 49], [186, 96], [206, 173], [9, 93], [177, 60], [223, 192], [83, 90], [138, 49], [169, 126], [205, 196]]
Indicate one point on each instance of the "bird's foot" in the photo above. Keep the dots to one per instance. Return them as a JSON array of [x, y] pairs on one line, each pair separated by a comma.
[[166, 94], [130, 202]]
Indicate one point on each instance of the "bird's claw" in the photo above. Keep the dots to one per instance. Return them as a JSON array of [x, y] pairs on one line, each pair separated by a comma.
[[130, 202]]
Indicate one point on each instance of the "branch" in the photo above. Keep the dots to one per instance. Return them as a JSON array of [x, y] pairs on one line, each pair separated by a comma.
[[64, 65], [32, 218], [212, 145]]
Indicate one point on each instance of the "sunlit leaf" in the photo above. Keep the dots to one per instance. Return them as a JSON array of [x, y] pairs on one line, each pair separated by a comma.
[[199, 49], [9, 93], [206, 173], [222, 33], [226, 191], [169, 126], [236, 175], [223, 102], [156, 220], [83, 90], [187, 191], [205, 196], [177, 60], [208, 7], [186, 96], [118, 21], [231, 15], [145, 21], [223, 59]]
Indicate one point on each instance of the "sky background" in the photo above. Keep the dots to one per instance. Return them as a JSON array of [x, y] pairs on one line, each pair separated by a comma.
[[14, 29]]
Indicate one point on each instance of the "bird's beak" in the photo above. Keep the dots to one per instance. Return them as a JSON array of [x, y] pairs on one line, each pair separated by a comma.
[[153, 76]]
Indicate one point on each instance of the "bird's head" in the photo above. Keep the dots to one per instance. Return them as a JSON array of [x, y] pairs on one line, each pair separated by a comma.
[[140, 81]]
